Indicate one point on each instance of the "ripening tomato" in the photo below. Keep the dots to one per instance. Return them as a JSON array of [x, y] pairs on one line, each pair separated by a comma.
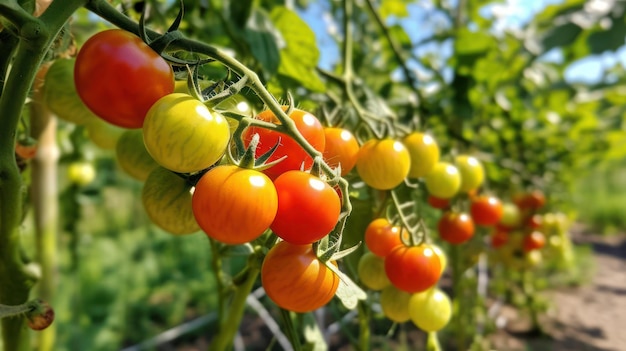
[[395, 304], [430, 310], [341, 149], [166, 198], [183, 135], [413, 268], [371, 271], [486, 210], [472, 172], [295, 279], [530, 201], [234, 205], [307, 124], [533, 241], [455, 227], [119, 77], [438, 203], [424, 153], [443, 181], [308, 208], [381, 237], [26, 150], [499, 237], [383, 164], [534, 221], [132, 156], [511, 215]]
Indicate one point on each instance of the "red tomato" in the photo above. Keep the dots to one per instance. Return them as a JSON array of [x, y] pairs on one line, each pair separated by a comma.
[[486, 210], [533, 241], [234, 205], [437, 202], [341, 149], [534, 221], [310, 128], [308, 208], [456, 228], [295, 279], [499, 238], [119, 77], [413, 268], [531, 201], [381, 237]]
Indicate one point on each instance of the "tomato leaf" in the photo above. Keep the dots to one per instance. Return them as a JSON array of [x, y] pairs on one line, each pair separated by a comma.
[[343, 253], [264, 40], [348, 292], [312, 334]]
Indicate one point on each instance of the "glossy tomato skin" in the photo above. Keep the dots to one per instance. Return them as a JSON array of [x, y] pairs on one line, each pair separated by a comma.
[[455, 227], [486, 210], [424, 152], [234, 205], [308, 208], [472, 172], [383, 164], [295, 279], [381, 237], [443, 181], [183, 135], [430, 310], [310, 128], [119, 77], [341, 149], [395, 304], [413, 268]]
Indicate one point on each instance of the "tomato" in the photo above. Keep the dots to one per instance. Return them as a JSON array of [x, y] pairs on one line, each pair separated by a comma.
[[371, 271], [183, 135], [307, 124], [530, 201], [499, 237], [119, 77], [430, 310], [41, 316], [132, 156], [424, 153], [166, 198], [533, 241], [511, 215], [25, 151], [295, 279], [486, 210], [455, 228], [234, 205], [103, 134], [81, 172], [308, 208], [60, 93], [443, 181], [472, 172], [443, 259], [438, 203], [395, 304], [534, 221], [413, 268], [381, 237], [341, 149], [383, 164]]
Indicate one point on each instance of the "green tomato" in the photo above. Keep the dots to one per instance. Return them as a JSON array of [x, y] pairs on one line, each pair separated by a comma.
[[132, 155], [395, 304], [167, 200], [443, 181], [183, 135], [371, 271], [430, 310], [81, 172], [472, 173], [511, 215], [104, 134]]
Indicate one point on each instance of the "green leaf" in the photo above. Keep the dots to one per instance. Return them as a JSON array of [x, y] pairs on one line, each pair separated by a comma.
[[312, 334], [264, 40], [395, 8], [299, 54], [472, 43], [240, 11], [348, 292]]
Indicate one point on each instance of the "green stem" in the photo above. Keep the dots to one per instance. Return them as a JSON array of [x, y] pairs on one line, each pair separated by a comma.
[[216, 267], [291, 330], [226, 334], [432, 342], [365, 333]]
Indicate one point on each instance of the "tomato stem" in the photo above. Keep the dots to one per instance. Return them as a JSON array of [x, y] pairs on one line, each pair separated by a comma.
[[291, 330], [432, 342]]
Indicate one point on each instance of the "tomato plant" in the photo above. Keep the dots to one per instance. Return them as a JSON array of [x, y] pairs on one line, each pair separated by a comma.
[[413, 268], [371, 271], [486, 210], [119, 77], [455, 227], [234, 205], [381, 237], [183, 135], [341, 149], [424, 152], [308, 208], [383, 164], [296, 157], [295, 279], [430, 310], [443, 181]]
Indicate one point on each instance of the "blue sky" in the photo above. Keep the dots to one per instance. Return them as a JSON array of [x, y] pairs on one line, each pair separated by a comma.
[[510, 14]]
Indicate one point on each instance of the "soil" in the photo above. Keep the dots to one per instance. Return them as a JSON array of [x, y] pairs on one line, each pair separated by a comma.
[[590, 317]]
